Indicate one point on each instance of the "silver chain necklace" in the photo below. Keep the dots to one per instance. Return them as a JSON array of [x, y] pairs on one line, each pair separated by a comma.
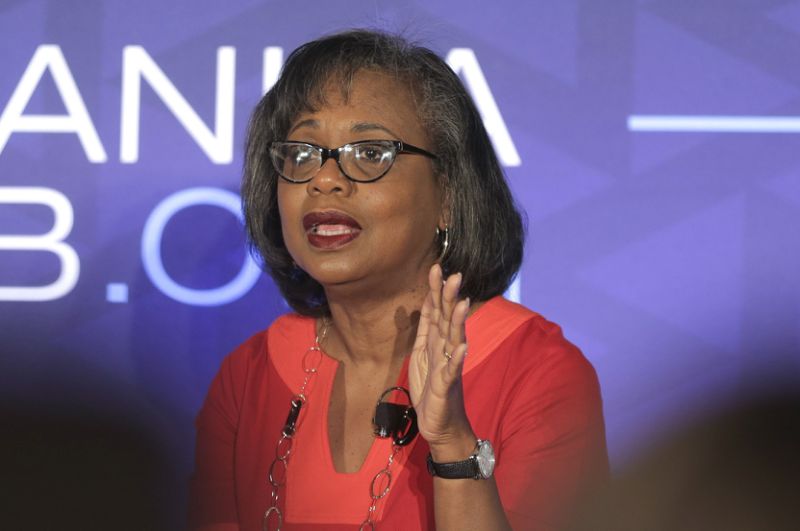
[[381, 481]]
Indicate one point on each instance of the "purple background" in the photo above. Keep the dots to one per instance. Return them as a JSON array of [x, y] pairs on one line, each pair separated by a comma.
[[670, 258]]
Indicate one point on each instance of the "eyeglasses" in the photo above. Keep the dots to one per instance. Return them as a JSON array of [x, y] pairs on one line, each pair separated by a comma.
[[363, 162]]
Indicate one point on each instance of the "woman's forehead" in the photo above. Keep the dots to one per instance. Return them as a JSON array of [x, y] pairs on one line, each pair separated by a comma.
[[359, 88], [368, 100]]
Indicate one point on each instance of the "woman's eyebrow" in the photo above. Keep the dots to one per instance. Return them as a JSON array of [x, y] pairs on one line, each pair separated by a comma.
[[310, 122], [361, 127]]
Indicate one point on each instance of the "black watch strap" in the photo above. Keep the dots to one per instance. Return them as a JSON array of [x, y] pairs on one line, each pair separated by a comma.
[[466, 469]]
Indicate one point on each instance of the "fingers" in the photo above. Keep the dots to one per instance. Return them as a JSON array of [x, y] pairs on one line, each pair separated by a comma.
[[445, 296], [445, 300], [447, 319], [457, 342], [456, 364], [456, 333], [449, 300], [435, 285]]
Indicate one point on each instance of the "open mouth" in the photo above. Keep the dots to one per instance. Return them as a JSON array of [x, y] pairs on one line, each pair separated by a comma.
[[330, 229]]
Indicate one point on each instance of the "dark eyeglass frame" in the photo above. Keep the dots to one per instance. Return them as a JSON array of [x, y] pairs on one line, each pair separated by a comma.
[[400, 148]]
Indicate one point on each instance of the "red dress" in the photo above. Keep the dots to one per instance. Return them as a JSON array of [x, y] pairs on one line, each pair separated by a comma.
[[526, 389]]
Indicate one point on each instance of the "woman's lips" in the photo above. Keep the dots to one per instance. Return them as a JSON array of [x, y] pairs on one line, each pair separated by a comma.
[[330, 229]]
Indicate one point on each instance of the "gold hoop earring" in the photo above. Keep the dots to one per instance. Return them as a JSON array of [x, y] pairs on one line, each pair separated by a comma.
[[445, 240]]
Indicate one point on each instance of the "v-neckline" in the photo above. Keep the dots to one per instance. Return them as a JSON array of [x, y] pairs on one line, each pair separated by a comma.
[[378, 445]]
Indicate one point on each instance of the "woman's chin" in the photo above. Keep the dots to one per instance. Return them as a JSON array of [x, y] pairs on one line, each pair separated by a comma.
[[333, 274]]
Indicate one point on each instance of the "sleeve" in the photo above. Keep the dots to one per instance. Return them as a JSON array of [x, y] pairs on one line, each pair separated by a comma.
[[552, 444], [212, 499]]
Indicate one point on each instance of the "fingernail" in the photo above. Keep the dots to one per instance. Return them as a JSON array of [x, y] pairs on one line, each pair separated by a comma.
[[468, 302]]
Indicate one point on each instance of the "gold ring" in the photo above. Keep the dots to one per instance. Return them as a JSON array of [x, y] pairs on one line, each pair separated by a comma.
[[448, 355]]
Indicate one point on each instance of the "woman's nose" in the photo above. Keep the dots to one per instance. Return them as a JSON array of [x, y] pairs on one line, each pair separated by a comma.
[[329, 180]]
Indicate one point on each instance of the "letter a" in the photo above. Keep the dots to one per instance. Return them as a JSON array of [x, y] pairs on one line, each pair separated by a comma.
[[463, 61], [77, 120]]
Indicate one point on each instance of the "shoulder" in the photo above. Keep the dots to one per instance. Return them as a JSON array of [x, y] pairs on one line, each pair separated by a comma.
[[285, 332], [529, 350], [246, 366], [290, 330], [540, 348]]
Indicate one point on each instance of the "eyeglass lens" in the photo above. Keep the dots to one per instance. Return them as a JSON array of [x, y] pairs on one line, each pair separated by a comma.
[[365, 161]]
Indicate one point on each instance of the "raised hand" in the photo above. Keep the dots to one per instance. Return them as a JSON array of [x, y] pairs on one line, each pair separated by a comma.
[[436, 363]]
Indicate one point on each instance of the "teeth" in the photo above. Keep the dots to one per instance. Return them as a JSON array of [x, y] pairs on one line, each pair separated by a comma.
[[336, 232], [332, 230]]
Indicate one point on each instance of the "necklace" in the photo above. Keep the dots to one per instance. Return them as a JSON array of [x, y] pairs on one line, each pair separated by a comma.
[[390, 419]]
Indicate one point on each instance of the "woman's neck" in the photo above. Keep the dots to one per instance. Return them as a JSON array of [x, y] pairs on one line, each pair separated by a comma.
[[373, 331]]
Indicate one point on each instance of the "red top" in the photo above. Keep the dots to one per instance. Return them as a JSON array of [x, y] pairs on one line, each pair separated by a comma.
[[527, 389]]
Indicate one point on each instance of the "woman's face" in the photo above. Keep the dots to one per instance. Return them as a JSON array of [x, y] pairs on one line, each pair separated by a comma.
[[377, 235]]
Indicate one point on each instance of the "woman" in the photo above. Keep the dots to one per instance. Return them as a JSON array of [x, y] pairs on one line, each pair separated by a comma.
[[394, 256]]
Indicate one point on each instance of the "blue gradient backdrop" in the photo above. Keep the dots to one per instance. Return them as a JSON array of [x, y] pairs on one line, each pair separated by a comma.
[[670, 257]]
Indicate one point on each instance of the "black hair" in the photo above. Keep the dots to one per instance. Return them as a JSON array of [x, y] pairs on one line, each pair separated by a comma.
[[486, 233]]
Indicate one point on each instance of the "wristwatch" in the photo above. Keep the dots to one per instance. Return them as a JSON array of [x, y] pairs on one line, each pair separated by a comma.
[[480, 465]]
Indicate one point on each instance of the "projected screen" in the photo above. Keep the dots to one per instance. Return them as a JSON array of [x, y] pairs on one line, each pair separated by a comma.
[[653, 146]]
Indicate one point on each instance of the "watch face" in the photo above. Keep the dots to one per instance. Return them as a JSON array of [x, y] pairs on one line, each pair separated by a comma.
[[486, 459]]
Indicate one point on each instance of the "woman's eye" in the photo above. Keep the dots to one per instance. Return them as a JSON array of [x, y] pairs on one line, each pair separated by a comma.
[[371, 154]]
